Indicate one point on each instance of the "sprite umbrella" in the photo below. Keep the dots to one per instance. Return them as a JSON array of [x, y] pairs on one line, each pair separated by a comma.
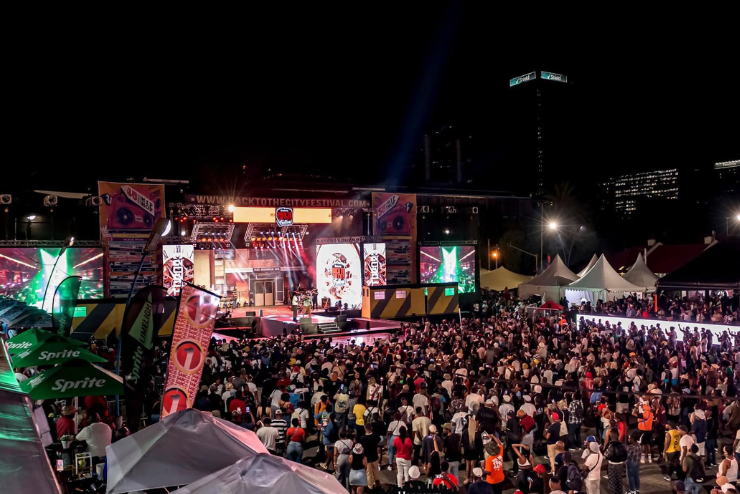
[[53, 350], [73, 378], [32, 337]]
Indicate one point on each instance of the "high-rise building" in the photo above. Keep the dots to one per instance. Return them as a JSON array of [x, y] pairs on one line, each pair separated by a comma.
[[539, 129], [727, 177], [446, 154], [625, 194]]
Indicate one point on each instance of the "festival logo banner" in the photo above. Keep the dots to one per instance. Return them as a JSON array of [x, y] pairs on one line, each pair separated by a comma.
[[127, 215], [193, 328], [143, 321], [395, 216], [63, 310], [177, 263]]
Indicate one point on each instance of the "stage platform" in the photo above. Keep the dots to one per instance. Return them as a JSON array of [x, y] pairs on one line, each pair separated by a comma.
[[274, 319]]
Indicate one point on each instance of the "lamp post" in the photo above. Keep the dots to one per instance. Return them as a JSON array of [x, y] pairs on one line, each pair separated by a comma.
[[495, 257], [161, 228], [552, 226], [69, 243], [533, 255]]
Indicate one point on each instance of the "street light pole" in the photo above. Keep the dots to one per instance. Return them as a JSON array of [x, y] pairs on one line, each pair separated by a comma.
[[529, 253]]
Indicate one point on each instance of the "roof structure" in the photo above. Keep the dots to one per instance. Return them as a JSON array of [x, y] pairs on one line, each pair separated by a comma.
[[717, 268], [641, 275], [590, 264], [501, 278], [603, 277]]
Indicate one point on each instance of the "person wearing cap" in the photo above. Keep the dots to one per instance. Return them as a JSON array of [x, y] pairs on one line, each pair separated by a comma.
[[432, 442], [592, 466], [357, 475], [495, 464], [685, 442], [281, 425], [478, 485], [552, 434], [414, 482], [488, 417]]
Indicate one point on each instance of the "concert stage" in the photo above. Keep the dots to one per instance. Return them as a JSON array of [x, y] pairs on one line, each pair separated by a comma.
[[273, 319]]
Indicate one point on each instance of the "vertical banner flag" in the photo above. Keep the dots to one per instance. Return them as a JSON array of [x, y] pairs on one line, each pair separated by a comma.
[[143, 321], [63, 310], [177, 263], [127, 214], [195, 320], [395, 216]]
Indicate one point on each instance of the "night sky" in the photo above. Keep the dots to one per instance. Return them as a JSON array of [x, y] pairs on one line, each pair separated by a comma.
[[353, 91]]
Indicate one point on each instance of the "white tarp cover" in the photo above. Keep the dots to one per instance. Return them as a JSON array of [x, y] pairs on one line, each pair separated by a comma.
[[640, 275], [601, 282], [590, 264], [549, 281], [180, 449], [265, 474], [501, 278]]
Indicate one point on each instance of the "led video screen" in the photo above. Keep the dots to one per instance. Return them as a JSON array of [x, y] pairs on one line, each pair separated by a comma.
[[24, 273], [374, 263], [339, 274], [455, 263]]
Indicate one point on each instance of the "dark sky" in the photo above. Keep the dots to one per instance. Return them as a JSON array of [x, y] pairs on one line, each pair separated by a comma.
[[351, 91]]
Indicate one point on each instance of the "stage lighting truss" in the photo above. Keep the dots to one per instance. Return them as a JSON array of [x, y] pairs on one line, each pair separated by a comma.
[[268, 235], [212, 235]]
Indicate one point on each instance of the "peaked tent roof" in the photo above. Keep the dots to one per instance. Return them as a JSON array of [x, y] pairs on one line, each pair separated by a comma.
[[501, 278], [603, 277], [265, 474], [640, 274], [181, 449], [588, 266], [557, 274], [717, 268]]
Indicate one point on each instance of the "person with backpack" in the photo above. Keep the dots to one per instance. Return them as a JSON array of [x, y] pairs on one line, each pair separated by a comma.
[[392, 433], [341, 406], [573, 479], [693, 467], [634, 451], [616, 455]]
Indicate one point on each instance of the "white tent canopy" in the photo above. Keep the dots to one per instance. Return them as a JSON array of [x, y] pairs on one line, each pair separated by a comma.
[[180, 449], [501, 278], [549, 281], [265, 474], [639, 274], [601, 282], [590, 264]]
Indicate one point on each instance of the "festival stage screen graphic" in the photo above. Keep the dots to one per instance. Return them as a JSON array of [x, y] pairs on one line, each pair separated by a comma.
[[445, 264], [339, 274], [25, 272], [374, 262]]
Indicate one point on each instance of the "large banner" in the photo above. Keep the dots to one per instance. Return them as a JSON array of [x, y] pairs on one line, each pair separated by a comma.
[[195, 320], [143, 321], [395, 216], [374, 263], [339, 274], [177, 262], [127, 216]]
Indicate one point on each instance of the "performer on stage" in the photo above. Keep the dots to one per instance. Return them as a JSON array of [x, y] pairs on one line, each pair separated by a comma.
[[294, 306]]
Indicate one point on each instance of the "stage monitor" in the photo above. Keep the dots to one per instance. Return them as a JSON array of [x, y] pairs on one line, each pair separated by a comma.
[[374, 263], [445, 264], [339, 274]]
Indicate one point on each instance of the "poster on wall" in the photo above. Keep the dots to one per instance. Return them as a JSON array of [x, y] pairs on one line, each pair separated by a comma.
[[445, 264], [177, 267], [193, 328], [396, 224], [127, 215], [24, 273], [374, 264], [339, 274]]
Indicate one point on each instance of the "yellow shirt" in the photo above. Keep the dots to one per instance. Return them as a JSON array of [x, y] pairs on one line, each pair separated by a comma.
[[359, 411], [673, 445]]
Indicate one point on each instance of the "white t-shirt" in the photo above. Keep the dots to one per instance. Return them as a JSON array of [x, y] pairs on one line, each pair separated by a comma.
[[737, 436], [97, 436], [457, 421], [686, 442], [420, 424], [594, 460], [302, 415], [275, 397], [268, 436], [395, 426], [420, 400], [529, 409]]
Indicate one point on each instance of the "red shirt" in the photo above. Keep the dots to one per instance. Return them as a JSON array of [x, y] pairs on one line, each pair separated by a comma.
[[444, 479], [404, 449], [65, 425], [296, 435]]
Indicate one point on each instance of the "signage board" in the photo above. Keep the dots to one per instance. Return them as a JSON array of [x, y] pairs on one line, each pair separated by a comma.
[[552, 76], [178, 263], [283, 216], [522, 78]]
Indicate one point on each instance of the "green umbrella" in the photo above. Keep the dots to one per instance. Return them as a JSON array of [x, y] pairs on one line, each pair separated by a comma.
[[28, 339], [73, 378], [53, 350]]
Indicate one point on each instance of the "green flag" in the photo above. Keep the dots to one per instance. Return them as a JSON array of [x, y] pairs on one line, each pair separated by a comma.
[[73, 378], [53, 350]]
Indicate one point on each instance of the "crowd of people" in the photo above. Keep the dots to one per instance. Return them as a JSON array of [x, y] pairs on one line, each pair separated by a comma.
[[453, 402]]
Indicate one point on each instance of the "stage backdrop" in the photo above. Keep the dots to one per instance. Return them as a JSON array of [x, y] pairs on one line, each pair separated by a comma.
[[127, 216], [395, 216]]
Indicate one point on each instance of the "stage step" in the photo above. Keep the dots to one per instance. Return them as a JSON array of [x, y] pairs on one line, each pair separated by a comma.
[[328, 327]]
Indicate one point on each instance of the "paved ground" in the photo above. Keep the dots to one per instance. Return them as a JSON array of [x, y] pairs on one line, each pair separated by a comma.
[[651, 477]]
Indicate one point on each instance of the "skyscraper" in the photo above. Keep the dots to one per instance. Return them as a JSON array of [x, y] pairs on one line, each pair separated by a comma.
[[446, 155], [625, 194]]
